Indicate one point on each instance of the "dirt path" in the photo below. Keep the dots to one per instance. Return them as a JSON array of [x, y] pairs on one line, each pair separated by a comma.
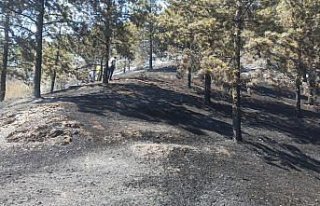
[[147, 140]]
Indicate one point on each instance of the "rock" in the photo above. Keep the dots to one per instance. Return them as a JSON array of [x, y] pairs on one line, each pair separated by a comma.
[[66, 140], [55, 132], [75, 132], [71, 124], [8, 120], [37, 100]]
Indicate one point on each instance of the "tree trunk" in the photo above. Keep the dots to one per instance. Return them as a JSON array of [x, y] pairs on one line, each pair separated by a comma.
[[101, 70], [94, 74], [236, 110], [189, 77], [54, 73], [125, 65], [298, 97], [301, 74], [37, 73], [311, 96], [106, 69], [312, 88], [3, 79], [150, 38], [53, 80], [129, 65], [151, 49], [207, 88], [108, 35]]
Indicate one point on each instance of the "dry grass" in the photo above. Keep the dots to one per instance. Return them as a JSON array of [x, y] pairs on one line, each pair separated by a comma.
[[17, 89]]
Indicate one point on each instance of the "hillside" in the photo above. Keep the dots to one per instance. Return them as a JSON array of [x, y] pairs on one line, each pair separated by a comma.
[[145, 139]]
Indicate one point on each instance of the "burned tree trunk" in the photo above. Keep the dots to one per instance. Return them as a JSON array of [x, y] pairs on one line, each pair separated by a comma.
[[189, 76], [101, 70], [106, 68], [54, 72], [236, 110], [125, 65], [298, 97], [312, 86], [301, 74], [207, 88], [311, 96], [108, 34], [38, 68], [53, 80], [5, 56], [151, 48], [151, 28]]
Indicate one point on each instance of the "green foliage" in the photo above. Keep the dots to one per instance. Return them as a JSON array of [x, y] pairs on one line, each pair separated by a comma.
[[204, 27], [284, 32], [127, 41], [58, 59], [293, 41]]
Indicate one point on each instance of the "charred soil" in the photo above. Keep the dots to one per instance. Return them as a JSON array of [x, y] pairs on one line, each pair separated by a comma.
[[146, 139]]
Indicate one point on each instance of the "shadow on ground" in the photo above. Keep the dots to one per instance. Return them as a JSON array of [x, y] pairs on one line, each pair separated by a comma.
[[169, 69], [283, 155], [161, 101], [274, 92], [149, 102]]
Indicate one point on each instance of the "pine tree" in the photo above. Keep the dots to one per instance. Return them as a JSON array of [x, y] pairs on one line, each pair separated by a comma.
[[292, 41], [6, 27], [215, 30]]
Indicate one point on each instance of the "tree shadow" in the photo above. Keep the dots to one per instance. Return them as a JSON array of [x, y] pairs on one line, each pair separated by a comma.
[[276, 107], [272, 114], [283, 155], [274, 93], [281, 117], [168, 69], [151, 103]]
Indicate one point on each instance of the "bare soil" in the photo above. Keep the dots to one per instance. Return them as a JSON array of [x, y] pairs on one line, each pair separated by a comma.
[[146, 139]]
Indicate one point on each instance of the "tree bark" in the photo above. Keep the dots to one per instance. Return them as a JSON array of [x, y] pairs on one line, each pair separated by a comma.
[[106, 69], [129, 65], [311, 96], [54, 73], [312, 88], [236, 110], [189, 77], [38, 68], [53, 80], [151, 52], [298, 97], [3, 79], [150, 37], [101, 70], [125, 65], [207, 88], [301, 74], [108, 35]]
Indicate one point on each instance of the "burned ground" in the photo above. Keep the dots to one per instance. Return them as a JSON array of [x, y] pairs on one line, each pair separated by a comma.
[[146, 139]]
